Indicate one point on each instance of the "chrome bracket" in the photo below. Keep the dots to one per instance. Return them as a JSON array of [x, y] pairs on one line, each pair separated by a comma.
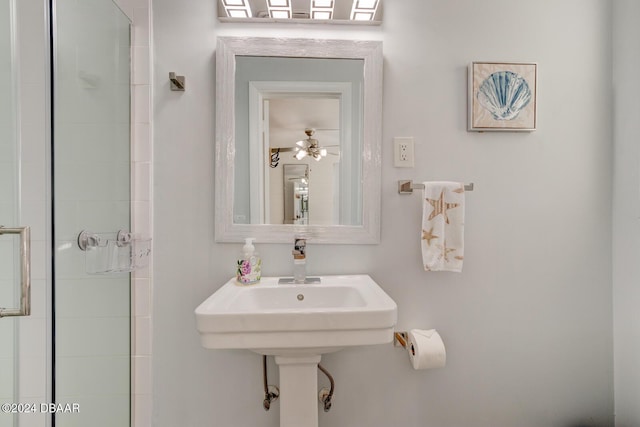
[[400, 339], [88, 240], [177, 83]]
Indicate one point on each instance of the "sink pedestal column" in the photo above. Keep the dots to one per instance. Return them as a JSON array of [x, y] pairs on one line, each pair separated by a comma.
[[298, 390]]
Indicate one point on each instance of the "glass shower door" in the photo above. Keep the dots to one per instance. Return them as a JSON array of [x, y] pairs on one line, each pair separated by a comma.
[[8, 211], [14, 240], [91, 170]]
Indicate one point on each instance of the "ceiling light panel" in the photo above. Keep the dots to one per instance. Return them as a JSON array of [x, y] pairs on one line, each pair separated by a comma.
[[237, 8], [279, 9], [322, 9], [366, 4], [364, 10]]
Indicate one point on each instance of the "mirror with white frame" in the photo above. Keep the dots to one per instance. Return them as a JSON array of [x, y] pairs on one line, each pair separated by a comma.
[[311, 102]]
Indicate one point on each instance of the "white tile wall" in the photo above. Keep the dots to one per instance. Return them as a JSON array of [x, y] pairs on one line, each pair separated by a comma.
[[142, 222]]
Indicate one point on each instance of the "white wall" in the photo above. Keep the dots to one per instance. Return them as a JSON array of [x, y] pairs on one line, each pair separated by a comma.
[[528, 324], [626, 210]]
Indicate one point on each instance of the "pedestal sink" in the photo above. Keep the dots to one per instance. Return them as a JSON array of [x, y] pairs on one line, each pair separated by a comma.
[[297, 324]]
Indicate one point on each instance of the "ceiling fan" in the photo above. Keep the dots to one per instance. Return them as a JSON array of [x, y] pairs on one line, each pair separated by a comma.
[[306, 147], [310, 147]]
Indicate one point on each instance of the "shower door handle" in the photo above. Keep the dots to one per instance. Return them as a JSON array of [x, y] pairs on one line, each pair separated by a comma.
[[25, 267]]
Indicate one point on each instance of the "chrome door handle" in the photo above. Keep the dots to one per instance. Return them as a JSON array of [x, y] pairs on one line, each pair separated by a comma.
[[25, 267]]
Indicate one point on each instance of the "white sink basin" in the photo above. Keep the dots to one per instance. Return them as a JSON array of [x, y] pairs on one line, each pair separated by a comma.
[[295, 319]]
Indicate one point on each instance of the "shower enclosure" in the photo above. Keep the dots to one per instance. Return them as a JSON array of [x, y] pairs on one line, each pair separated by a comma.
[[91, 191], [10, 274], [64, 169]]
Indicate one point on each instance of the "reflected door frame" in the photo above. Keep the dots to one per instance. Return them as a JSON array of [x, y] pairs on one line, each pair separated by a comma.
[[259, 91]]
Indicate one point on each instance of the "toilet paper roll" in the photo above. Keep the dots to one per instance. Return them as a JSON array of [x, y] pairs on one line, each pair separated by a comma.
[[426, 349]]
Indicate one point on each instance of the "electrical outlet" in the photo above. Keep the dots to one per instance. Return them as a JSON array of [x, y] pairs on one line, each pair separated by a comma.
[[403, 152]]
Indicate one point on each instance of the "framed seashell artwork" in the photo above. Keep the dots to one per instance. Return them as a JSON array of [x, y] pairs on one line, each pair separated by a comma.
[[502, 96]]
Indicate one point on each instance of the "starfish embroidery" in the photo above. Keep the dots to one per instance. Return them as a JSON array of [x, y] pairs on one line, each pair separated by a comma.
[[428, 236], [440, 207], [445, 251]]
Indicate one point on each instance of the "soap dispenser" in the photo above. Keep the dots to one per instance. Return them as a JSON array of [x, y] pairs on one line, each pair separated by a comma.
[[249, 265]]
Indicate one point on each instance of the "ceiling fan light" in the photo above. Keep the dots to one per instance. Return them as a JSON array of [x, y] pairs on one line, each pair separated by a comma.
[[323, 152], [300, 154]]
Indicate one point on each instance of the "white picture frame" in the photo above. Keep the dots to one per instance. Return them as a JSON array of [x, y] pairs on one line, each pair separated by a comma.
[[502, 96]]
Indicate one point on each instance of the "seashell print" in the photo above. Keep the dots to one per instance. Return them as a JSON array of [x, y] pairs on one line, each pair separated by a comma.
[[504, 94]]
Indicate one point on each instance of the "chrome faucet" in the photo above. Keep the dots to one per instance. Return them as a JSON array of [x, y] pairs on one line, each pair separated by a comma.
[[299, 265], [299, 260]]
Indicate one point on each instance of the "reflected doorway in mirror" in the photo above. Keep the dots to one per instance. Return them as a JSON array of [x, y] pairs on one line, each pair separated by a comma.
[[276, 126], [276, 114]]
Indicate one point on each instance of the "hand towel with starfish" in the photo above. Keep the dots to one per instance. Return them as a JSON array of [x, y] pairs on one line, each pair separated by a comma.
[[443, 226]]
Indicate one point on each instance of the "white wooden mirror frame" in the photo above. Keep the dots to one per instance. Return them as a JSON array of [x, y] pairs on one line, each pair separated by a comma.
[[369, 51]]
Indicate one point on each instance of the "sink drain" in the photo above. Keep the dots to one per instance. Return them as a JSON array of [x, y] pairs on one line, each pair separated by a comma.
[[300, 297]]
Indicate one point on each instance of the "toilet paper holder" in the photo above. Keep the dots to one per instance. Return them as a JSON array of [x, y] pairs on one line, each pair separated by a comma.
[[433, 356], [400, 339]]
